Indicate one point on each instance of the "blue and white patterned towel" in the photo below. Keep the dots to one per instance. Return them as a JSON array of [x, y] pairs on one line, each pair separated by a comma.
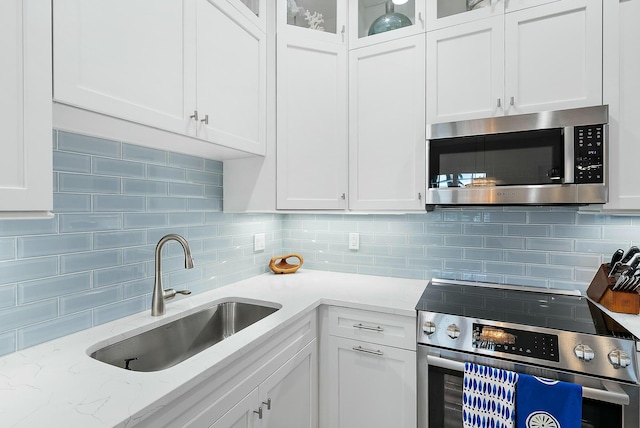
[[488, 397], [547, 403]]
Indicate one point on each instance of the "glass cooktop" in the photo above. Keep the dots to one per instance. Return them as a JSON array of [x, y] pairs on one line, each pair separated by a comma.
[[527, 306]]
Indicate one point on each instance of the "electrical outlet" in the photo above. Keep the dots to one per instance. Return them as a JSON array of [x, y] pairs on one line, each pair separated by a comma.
[[354, 241], [259, 242]]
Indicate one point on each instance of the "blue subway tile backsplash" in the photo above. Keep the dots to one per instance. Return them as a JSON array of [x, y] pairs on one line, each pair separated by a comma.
[[94, 261]]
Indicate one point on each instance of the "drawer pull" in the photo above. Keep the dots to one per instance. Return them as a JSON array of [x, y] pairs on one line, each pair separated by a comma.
[[366, 327], [367, 351]]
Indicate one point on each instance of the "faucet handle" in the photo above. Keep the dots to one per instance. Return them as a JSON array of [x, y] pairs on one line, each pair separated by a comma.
[[170, 293]]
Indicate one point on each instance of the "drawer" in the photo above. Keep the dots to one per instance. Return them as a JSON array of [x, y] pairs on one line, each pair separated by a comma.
[[373, 327]]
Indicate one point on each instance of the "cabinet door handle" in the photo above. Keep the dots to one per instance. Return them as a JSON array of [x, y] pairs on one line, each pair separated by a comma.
[[368, 351], [420, 18], [499, 105], [343, 196], [194, 116], [342, 32], [419, 196], [205, 120], [258, 412], [513, 101], [267, 403], [367, 327]]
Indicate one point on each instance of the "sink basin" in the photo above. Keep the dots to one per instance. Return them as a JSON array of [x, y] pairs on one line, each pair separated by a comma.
[[172, 343]]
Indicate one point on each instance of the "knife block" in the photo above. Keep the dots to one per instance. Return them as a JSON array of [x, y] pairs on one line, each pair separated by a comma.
[[626, 302]]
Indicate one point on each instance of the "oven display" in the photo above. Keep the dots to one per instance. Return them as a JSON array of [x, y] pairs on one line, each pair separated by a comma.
[[516, 342]]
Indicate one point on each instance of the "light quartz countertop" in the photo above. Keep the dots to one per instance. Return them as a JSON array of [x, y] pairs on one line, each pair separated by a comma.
[[57, 384]]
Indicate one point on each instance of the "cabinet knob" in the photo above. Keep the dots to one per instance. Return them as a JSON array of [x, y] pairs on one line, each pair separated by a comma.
[[205, 120], [194, 116], [343, 196]]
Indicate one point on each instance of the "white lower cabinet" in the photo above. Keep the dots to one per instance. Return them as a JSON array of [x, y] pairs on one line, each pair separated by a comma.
[[373, 385], [287, 399], [282, 371], [367, 383]]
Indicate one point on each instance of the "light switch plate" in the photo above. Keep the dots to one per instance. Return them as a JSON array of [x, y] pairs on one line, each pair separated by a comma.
[[259, 242], [354, 241]]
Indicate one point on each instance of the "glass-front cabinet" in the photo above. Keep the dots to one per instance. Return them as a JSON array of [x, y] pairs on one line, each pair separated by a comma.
[[445, 13], [319, 19], [254, 10], [375, 21]]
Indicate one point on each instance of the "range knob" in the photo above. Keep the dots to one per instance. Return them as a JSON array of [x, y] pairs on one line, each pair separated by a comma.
[[619, 359], [584, 352], [453, 331], [429, 327]]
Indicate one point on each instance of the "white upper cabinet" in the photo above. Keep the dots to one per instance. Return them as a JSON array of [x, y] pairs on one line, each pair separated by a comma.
[[116, 58], [526, 59], [553, 57], [386, 126], [312, 126], [321, 20], [169, 69], [445, 13], [231, 78], [25, 109], [254, 10], [621, 93], [465, 71], [375, 21]]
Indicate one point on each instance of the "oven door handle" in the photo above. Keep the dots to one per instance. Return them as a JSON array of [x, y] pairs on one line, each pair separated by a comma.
[[612, 393]]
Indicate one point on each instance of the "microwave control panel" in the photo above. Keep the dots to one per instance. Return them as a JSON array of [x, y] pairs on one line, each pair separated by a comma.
[[589, 154]]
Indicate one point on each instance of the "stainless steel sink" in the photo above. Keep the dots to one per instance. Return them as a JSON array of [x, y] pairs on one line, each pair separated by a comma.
[[172, 343]]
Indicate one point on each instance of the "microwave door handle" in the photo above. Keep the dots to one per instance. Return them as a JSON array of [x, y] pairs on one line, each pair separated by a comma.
[[569, 155], [612, 393]]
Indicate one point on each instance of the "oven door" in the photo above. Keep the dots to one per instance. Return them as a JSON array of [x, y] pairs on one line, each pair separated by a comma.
[[605, 404]]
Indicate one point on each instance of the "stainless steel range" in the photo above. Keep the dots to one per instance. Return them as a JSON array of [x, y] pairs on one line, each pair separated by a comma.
[[550, 333]]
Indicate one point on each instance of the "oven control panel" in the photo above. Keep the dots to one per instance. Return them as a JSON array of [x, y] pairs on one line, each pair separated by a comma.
[[516, 342]]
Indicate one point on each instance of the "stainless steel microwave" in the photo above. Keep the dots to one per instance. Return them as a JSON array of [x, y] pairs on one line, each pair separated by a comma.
[[548, 158]]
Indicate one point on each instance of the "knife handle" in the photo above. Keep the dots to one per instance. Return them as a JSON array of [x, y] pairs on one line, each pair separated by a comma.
[[616, 257], [630, 253]]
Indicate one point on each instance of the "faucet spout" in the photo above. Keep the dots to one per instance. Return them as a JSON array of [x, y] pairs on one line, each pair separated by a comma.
[[159, 293]]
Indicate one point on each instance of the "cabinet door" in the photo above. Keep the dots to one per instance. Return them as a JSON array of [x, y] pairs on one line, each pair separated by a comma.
[[370, 385], [320, 20], [554, 56], [465, 71], [245, 414], [312, 127], [25, 106], [131, 60], [289, 397], [621, 93], [231, 78], [387, 126], [404, 20]]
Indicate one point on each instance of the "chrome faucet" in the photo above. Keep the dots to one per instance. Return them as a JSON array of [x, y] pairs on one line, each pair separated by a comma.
[[160, 294]]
